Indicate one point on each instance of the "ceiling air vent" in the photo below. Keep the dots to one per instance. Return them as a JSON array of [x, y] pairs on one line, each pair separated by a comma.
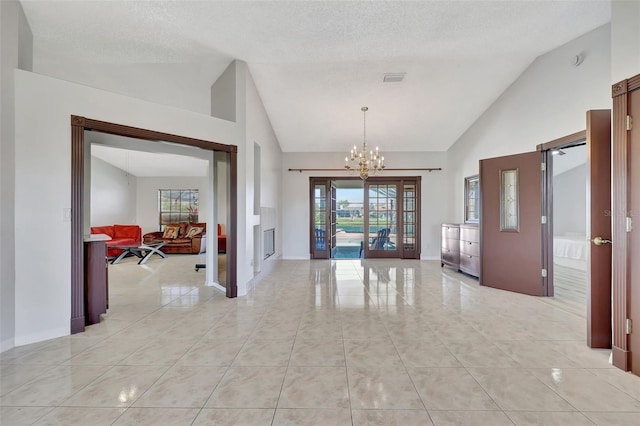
[[395, 77]]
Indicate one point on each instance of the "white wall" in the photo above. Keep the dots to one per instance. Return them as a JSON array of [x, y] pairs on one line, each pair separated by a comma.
[[549, 100], [570, 201], [147, 198], [259, 131], [184, 86], [295, 201], [113, 194], [16, 47], [43, 182], [223, 94], [9, 61], [625, 39]]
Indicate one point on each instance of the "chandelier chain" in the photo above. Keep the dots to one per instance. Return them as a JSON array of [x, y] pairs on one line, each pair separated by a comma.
[[364, 125]]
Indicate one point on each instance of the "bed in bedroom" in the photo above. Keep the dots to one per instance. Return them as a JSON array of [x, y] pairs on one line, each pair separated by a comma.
[[570, 251], [570, 272]]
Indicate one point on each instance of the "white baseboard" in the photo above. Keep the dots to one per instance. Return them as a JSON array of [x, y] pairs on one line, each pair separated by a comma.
[[267, 267], [216, 285], [307, 257], [7, 344], [41, 336], [429, 257]]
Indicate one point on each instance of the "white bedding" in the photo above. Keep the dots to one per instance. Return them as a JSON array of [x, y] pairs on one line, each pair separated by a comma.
[[571, 247]]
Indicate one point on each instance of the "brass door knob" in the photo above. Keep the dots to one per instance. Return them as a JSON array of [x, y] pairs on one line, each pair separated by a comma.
[[600, 241]]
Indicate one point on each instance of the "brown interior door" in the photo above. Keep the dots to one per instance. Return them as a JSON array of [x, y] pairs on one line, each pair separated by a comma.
[[599, 223], [511, 223]]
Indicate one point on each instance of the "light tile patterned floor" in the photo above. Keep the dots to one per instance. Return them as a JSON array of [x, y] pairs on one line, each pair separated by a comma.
[[347, 342]]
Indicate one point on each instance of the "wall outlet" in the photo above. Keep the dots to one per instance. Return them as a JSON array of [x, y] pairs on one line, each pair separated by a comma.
[[66, 215]]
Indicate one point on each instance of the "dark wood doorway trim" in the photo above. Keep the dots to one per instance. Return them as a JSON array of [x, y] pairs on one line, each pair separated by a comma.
[[78, 126], [574, 139], [621, 279], [598, 141]]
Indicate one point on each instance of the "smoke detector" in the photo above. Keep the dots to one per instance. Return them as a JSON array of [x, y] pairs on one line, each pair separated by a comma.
[[393, 77]]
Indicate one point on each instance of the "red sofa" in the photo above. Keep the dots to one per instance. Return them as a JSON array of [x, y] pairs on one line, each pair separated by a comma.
[[182, 243], [121, 235], [222, 241]]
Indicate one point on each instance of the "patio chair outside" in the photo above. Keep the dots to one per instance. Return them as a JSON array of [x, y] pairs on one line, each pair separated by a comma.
[[321, 240]]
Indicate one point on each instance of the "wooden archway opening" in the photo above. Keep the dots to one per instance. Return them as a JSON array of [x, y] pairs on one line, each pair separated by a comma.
[[78, 126]]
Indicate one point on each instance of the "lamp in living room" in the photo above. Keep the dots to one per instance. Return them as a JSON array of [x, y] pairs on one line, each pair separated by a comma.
[[365, 162]]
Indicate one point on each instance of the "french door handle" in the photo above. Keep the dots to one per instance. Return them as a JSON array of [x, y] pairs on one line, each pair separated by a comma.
[[600, 241]]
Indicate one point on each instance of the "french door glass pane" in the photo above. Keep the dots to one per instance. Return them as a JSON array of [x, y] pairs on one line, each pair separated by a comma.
[[409, 217], [382, 217], [320, 225]]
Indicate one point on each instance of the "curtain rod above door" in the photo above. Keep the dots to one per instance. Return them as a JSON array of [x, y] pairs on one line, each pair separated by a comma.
[[428, 169]]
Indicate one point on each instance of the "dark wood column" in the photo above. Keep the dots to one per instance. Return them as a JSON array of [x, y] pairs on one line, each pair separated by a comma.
[[77, 219], [620, 254], [232, 243]]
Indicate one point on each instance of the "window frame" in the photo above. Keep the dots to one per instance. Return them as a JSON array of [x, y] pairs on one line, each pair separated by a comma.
[[468, 182], [182, 216]]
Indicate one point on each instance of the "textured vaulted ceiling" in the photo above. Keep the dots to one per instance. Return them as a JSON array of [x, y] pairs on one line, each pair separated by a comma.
[[315, 63], [151, 164]]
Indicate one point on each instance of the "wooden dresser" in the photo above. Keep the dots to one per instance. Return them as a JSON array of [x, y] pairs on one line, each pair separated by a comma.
[[470, 249], [450, 254], [461, 247], [96, 279]]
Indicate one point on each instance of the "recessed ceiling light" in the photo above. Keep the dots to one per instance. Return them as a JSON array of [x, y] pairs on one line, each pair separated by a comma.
[[396, 77]]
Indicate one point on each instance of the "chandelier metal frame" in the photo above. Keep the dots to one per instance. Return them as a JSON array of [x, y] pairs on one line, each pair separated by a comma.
[[367, 163]]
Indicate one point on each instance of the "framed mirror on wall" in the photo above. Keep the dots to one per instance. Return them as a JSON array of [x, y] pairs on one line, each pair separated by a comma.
[[471, 199]]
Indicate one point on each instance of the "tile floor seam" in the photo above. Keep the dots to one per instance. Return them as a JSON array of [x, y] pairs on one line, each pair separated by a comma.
[[557, 393], [484, 390], [228, 368], [61, 403], [527, 370], [619, 388], [346, 372], [406, 370], [44, 415]]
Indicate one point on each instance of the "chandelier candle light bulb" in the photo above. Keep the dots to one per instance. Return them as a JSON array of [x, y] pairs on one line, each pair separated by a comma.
[[365, 162]]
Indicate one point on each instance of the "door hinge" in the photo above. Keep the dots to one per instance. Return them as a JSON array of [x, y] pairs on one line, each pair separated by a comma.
[[629, 122], [629, 224], [543, 167], [627, 326], [544, 273], [544, 220]]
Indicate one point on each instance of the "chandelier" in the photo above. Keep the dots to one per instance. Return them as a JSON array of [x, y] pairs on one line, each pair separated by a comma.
[[365, 162]]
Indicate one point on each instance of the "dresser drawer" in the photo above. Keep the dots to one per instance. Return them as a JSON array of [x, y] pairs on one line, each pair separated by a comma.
[[450, 257], [470, 264], [450, 231], [450, 244], [470, 248], [470, 233]]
